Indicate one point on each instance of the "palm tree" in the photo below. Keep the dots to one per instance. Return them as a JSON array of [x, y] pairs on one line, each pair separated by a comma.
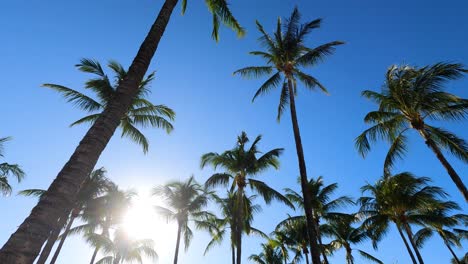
[[218, 227], [323, 205], [22, 247], [410, 97], [105, 213], [185, 203], [96, 184], [294, 231], [141, 112], [269, 255], [241, 165], [286, 57], [7, 170], [344, 235], [122, 248], [280, 240], [442, 227], [404, 200]]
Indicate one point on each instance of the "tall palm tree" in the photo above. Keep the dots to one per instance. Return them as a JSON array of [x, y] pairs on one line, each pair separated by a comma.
[[7, 170], [269, 255], [323, 206], [404, 200], [219, 227], [287, 56], [442, 226], [344, 235], [95, 185], [409, 98], [185, 202], [22, 247], [241, 166], [141, 112], [122, 248]]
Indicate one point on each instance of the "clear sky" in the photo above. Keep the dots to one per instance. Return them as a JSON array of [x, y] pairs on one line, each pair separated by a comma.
[[42, 40]]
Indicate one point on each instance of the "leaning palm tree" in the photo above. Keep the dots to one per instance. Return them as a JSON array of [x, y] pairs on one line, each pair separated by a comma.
[[122, 248], [402, 199], [141, 112], [21, 247], [409, 98], [241, 166], [185, 202], [219, 227], [269, 255], [7, 170], [96, 184], [443, 227], [344, 235], [323, 206], [287, 56]]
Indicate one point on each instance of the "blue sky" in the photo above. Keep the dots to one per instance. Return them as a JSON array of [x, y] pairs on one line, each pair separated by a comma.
[[42, 40]]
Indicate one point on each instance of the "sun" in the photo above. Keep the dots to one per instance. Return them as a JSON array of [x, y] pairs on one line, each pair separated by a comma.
[[142, 222]]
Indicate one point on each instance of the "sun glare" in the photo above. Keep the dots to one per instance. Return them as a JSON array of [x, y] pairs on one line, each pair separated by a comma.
[[142, 222]]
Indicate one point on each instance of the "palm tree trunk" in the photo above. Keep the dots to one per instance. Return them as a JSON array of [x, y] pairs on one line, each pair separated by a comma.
[[452, 173], [24, 245], [314, 250], [233, 254], [240, 223], [73, 216], [349, 255], [306, 254], [105, 232], [451, 251], [407, 245], [51, 240], [410, 236], [93, 258], [179, 232], [319, 236]]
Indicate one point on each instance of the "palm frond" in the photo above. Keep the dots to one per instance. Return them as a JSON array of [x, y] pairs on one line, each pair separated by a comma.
[[81, 100]]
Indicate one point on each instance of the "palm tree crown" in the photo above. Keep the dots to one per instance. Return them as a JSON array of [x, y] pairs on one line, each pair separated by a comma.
[[122, 248], [6, 170], [185, 202], [287, 56], [141, 113], [409, 98], [402, 199]]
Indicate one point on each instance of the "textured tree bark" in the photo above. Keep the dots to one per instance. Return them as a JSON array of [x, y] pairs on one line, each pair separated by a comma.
[[314, 249], [452, 173], [73, 216], [179, 231], [45, 253], [25, 244], [411, 239], [407, 245]]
